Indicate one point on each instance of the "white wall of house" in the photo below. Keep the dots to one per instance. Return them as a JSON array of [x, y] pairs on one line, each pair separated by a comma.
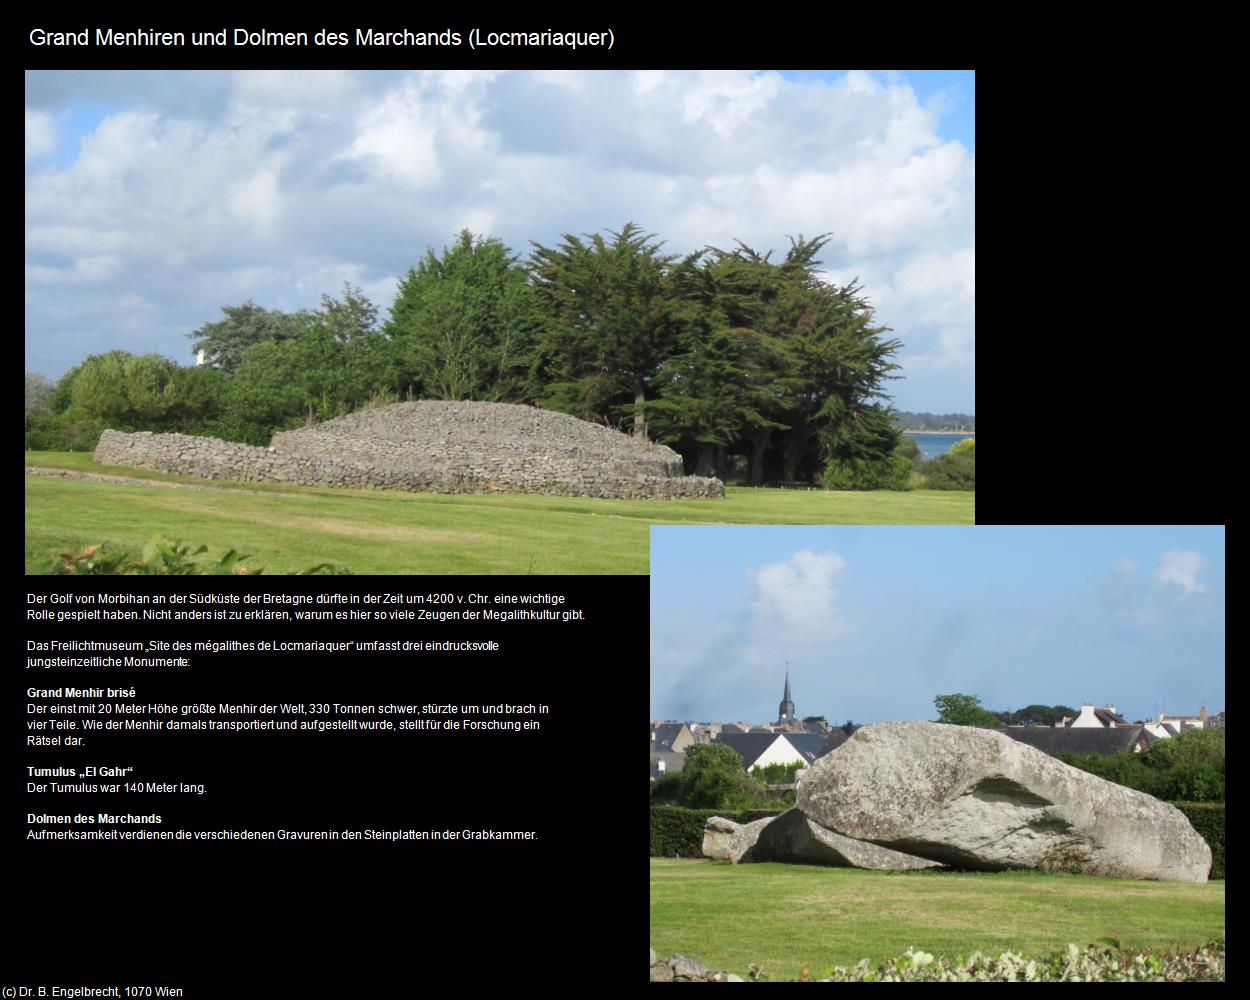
[[1087, 719], [779, 751], [1179, 723]]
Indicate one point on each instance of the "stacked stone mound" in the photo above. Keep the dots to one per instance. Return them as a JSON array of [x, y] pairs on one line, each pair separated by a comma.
[[432, 446]]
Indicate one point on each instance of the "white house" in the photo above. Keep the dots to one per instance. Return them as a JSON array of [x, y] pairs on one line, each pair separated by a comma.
[[1097, 718], [1172, 725]]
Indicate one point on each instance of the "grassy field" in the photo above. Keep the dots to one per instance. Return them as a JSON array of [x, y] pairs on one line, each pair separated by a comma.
[[289, 528], [783, 917]]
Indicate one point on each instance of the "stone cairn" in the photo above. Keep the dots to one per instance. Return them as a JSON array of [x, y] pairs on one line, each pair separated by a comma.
[[431, 446]]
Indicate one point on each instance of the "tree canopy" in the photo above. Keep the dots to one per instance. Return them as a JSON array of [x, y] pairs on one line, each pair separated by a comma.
[[964, 710], [465, 323], [225, 342], [610, 319], [752, 369]]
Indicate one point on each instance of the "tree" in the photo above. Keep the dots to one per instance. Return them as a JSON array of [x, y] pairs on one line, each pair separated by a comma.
[[347, 319], [841, 363], [611, 314], [127, 391], [822, 362], [225, 342], [713, 778], [316, 376], [964, 710], [1041, 715], [39, 389], [466, 322], [864, 454]]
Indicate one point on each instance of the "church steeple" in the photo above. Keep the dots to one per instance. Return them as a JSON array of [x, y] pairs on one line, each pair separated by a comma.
[[785, 713]]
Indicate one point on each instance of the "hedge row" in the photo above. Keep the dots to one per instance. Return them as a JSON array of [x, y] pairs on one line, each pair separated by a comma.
[[678, 833], [1208, 819]]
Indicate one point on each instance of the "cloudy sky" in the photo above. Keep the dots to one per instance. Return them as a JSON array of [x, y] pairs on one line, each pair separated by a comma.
[[877, 621], [155, 198]]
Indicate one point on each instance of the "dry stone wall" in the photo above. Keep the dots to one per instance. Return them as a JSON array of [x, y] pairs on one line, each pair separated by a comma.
[[431, 446]]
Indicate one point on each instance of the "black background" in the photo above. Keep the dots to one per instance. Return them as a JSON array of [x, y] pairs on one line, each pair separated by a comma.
[[223, 916]]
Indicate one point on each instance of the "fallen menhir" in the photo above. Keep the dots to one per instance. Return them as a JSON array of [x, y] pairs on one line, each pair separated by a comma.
[[970, 798]]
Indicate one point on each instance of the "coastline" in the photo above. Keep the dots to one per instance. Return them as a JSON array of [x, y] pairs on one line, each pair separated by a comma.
[[964, 433]]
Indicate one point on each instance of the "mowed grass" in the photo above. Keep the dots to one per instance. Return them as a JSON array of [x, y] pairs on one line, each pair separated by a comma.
[[289, 528], [785, 917]]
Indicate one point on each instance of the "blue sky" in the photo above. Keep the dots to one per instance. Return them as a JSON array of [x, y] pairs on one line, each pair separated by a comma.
[[155, 198], [877, 621]]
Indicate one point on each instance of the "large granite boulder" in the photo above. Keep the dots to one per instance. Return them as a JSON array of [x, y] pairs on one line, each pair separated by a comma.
[[725, 840], [794, 837], [978, 799]]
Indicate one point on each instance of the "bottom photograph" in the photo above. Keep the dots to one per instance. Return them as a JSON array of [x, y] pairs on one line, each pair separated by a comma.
[[988, 753]]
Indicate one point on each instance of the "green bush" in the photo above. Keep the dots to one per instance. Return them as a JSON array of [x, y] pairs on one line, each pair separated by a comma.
[[1208, 819], [712, 779], [777, 774], [1127, 769], [1194, 783], [678, 832], [161, 558], [1191, 746], [910, 450], [1188, 767], [956, 470], [893, 472]]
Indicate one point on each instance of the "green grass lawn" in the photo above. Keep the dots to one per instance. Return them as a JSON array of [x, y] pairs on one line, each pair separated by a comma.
[[783, 917], [289, 528]]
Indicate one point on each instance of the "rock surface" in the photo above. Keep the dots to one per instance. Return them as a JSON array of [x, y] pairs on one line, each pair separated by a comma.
[[792, 836], [978, 799], [431, 446], [684, 969], [725, 840]]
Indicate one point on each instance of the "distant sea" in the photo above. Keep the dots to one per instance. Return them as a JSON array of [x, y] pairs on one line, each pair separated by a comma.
[[933, 445]]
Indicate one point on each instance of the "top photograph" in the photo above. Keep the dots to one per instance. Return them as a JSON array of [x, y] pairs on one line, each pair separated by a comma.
[[502, 322]]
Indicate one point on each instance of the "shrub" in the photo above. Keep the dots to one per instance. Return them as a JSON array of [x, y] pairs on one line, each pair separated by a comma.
[[1188, 767], [910, 450], [1125, 769], [678, 832], [162, 559], [1191, 746], [1095, 964], [893, 472], [956, 470], [1208, 819], [1193, 783], [777, 774], [713, 779]]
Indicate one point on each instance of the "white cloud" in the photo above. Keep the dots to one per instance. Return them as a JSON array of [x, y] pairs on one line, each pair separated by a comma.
[[40, 134], [799, 595], [196, 182], [1181, 567], [1124, 566]]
